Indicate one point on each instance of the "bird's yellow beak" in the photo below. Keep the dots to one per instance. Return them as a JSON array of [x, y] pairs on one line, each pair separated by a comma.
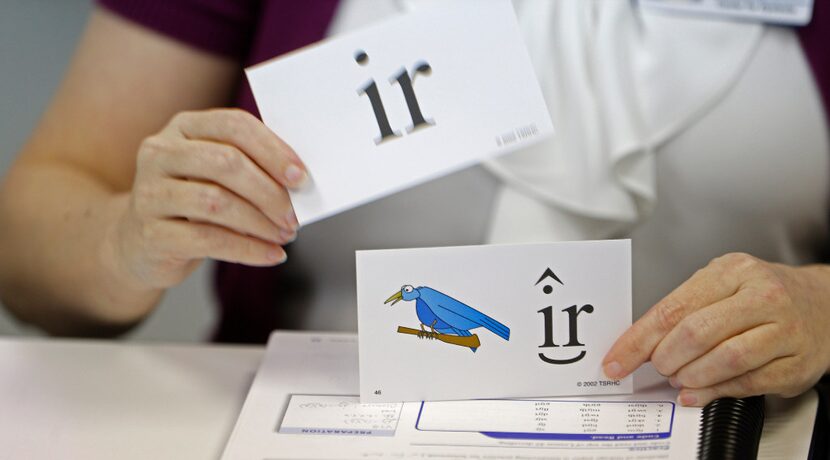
[[396, 297]]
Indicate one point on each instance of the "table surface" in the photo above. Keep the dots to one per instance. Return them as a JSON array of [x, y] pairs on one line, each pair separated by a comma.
[[90, 400], [102, 399]]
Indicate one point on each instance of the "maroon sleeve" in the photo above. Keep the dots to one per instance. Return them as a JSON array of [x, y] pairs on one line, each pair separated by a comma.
[[815, 39], [223, 27]]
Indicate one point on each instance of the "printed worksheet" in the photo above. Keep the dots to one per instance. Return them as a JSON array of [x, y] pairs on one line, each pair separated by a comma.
[[304, 405]]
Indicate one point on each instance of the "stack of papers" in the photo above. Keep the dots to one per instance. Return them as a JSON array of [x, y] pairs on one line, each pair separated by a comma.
[[304, 404]]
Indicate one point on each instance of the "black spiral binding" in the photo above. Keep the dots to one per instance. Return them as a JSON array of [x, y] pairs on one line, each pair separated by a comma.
[[731, 429]]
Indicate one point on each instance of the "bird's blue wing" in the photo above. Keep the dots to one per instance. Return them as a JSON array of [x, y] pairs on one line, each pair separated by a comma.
[[459, 315]]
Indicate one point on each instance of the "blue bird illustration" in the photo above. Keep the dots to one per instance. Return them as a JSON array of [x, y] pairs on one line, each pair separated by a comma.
[[446, 315]]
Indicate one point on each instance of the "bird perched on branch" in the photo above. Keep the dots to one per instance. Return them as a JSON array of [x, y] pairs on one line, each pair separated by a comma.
[[446, 315]]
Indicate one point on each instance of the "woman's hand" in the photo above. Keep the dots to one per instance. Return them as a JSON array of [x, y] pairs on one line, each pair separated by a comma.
[[210, 184], [738, 327]]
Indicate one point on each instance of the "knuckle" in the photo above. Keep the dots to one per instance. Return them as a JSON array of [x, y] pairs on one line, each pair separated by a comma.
[[732, 261], [669, 312], [206, 238], [794, 332], [151, 148], [213, 200], [253, 251], [719, 262], [691, 379], [220, 243], [778, 379], [789, 392], [694, 332], [661, 364], [774, 292], [801, 382], [241, 115], [792, 386], [238, 249], [143, 197], [152, 231], [714, 264], [741, 261], [182, 117], [735, 356], [747, 384], [631, 347], [237, 119], [227, 159]]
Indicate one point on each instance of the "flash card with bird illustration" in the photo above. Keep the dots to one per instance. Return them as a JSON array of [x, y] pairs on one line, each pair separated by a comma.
[[497, 321]]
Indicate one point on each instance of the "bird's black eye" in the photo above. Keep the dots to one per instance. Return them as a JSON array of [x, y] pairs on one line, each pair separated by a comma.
[[407, 288]]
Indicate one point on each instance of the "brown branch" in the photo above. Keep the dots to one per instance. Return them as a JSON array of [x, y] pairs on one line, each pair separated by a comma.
[[470, 341]]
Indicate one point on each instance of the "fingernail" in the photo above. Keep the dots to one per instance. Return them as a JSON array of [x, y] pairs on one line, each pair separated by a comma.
[[295, 176], [674, 382], [612, 370], [290, 221], [276, 255], [687, 399], [288, 236]]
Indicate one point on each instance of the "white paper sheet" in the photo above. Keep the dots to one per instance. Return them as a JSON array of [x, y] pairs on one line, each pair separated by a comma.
[[304, 405], [418, 96]]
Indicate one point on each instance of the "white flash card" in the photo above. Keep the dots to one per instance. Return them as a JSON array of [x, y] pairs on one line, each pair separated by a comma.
[[498, 321], [402, 102]]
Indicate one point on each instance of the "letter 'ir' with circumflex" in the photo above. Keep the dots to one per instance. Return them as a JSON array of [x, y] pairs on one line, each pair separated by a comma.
[[573, 313]]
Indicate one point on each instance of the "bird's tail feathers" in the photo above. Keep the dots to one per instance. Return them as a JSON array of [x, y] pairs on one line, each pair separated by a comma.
[[496, 327]]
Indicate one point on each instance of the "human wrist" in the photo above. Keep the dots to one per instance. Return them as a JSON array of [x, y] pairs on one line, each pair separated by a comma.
[[125, 297], [818, 291]]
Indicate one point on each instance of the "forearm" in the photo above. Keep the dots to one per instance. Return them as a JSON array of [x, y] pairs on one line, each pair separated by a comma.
[[61, 268]]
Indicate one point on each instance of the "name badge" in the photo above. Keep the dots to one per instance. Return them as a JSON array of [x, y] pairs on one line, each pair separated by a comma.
[[782, 12]]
